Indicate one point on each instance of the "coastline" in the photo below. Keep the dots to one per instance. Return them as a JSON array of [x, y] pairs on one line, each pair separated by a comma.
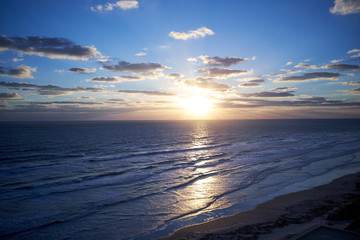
[[280, 217]]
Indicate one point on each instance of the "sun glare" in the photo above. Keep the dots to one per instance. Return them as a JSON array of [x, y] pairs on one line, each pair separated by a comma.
[[197, 105]]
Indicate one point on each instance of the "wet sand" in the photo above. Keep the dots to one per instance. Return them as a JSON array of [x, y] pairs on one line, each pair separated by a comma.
[[283, 216]]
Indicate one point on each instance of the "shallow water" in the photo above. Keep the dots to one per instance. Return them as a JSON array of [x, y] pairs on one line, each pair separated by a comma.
[[143, 179]]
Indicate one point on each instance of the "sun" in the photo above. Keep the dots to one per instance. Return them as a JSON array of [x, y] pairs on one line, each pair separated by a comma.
[[197, 104]]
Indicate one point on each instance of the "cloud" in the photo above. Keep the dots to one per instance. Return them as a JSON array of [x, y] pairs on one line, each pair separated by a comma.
[[353, 51], [174, 75], [283, 88], [17, 59], [289, 63], [356, 55], [48, 47], [310, 77], [82, 70], [59, 70], [353, 91], [206, 83], [8, 95], [191, 59], [351, 83], [344, 7], [222, 72], [65, 103], [218, 61], [48, 90], [140, 54], [198, 33], [123, 66], [306, 65], [252, 82], [115, 79], [269, 94], [252, 79], [152, 93], [302, 102], [152, 75], [342, 67], [337, 60], [19, 72], [124, 5], [249, 84]]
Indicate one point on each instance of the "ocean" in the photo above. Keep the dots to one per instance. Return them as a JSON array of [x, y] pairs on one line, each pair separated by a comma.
[[144, 179]]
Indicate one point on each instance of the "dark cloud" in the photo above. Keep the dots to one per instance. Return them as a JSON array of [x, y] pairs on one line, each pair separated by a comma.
[[308, 66], [105, 79], [48, 90], [283, 88], [48, 47], [351, 83], [123, 66], [269, 94], [310, 77], [354, 91], [302, 102], [343, 67], [222, 72], [115, 79], [18, 72], [218, 61], [115, 100], [153, 93], [174, 75], [259, 80], [206, 83], [8, 95], [82, 70], [65, 103], [250, 84]]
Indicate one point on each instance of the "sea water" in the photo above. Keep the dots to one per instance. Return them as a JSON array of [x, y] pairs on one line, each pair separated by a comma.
[[144, 179]]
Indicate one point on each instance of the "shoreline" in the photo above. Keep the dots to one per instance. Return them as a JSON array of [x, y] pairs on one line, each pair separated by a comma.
[[279, 217]]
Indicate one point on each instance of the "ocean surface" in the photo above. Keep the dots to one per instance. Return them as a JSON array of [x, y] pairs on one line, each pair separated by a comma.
[[144, 179]]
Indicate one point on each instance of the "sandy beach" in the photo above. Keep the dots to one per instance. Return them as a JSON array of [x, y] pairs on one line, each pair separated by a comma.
[[335, 204]]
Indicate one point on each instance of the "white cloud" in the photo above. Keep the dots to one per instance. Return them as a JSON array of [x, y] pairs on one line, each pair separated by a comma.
[[124, 5], [344, 7], [192, 59], [353, 51], [356, 55], [140, 54], [337, 60], [223, 72], [198, 33], [17, 59], [289, 63]]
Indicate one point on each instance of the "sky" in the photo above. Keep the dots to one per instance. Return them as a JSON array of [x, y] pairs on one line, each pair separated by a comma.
[[179, 60]]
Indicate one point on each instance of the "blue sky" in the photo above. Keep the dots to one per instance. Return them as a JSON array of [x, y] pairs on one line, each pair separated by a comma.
[[158, 59]]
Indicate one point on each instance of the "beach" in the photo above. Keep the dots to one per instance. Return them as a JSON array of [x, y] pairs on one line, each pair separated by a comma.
[[284, 216]]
